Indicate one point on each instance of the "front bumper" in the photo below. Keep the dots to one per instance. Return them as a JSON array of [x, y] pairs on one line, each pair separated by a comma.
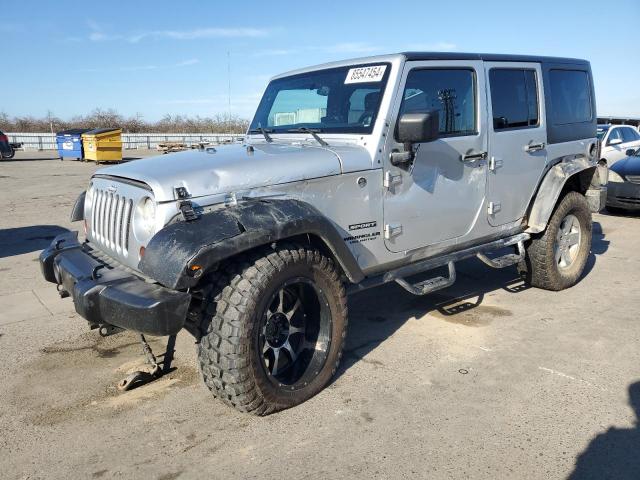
[[105, 295], [623, 195]]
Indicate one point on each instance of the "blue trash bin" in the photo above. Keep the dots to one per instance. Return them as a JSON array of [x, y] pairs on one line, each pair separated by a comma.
[[70, 143]]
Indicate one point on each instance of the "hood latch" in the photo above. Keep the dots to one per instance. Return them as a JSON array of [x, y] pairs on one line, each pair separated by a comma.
[[185, 206], [188, 213]]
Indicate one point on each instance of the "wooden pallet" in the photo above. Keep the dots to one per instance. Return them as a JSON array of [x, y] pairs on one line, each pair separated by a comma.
[[169, 147]]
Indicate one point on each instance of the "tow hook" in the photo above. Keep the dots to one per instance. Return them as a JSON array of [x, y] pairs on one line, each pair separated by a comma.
[[61, 291], [107, 330], [141, 377]]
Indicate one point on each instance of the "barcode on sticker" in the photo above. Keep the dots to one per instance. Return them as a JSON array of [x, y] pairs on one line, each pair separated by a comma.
[[373, 73]]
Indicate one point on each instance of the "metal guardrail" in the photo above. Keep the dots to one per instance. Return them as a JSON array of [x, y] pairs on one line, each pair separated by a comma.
[[130, 141], [621, 121]]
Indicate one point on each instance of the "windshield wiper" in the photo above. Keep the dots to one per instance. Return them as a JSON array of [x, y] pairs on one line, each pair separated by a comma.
[[310, 131], [264, 132]]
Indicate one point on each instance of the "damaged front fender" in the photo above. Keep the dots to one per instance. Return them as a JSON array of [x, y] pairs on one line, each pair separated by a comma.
[[223, 233]]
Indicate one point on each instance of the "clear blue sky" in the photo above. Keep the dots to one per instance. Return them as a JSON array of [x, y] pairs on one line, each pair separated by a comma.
[[156, 57]]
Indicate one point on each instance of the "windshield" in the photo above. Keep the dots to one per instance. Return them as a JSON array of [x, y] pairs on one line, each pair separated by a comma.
[[336, 100], [602, 131]]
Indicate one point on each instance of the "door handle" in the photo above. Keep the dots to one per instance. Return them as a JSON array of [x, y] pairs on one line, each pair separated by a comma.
[[534, 147], [472, 157]]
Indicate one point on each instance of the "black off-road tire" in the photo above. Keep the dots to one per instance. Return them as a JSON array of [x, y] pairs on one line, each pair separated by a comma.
[[231, 365], [540, 267]]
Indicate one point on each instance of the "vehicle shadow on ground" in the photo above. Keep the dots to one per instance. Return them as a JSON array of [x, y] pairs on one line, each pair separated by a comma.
[[621, 213], [614, 453], [376, 314], [599, 244], [18, 159], [16, 241]]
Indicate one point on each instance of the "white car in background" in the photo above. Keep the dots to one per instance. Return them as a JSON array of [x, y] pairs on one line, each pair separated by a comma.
[[616, 140]]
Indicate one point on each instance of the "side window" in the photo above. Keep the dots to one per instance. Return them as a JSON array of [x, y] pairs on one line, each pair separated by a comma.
[[450, 91], [629, 134], [570, 96], [614, 135], [514, 98]]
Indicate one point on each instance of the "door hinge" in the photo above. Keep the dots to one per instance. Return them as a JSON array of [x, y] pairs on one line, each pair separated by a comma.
[[390, 179], [402, 159], [392, 230], [494, 207], [495, 163]]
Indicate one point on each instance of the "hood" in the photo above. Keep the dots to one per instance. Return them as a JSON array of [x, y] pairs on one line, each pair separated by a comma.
[[627, 166], [230, 168]]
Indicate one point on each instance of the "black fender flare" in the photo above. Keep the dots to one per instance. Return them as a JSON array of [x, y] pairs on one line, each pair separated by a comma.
[[77, 213], [552, 184], [227, 231]]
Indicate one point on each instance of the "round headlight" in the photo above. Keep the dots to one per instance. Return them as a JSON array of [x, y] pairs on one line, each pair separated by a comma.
[[145, 219], [615, 178]]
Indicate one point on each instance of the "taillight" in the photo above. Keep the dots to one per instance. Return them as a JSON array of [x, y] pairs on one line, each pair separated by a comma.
[[4, 138]]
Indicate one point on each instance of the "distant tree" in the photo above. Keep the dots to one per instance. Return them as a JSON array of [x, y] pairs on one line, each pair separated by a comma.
[[135, 124], [110, 118], [5, 122]]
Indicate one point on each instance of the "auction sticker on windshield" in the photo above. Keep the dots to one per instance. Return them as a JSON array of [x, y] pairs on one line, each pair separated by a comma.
[[373, 73]]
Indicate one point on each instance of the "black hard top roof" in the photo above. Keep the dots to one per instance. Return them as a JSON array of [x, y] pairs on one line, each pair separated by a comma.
[[490, 57]]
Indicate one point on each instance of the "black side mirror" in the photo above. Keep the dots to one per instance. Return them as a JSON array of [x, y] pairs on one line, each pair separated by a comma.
[[631, 152], [418, 127], [414, 128]]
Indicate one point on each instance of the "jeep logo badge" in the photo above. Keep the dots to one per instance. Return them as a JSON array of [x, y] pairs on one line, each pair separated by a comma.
[[112, 188]]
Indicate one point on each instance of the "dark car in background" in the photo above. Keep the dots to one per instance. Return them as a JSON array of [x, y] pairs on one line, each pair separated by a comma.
[[623, 188], [6, 149]]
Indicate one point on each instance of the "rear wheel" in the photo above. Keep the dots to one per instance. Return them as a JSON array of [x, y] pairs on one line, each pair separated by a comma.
[[9, 155], [556, 259], [273, 330]]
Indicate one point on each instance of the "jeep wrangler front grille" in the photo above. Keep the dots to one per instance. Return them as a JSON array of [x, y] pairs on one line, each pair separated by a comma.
[[110, 221]]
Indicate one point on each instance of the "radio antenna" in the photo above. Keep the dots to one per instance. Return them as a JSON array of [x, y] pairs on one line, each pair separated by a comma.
[[229, 90]]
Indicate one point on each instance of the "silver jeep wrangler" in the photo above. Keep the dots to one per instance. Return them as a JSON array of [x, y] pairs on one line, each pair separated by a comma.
[[352, 174]]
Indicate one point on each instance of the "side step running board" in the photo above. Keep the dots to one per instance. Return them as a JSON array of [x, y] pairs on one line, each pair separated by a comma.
[[505, 260], [430, 285], [438, 283], [400, 274]]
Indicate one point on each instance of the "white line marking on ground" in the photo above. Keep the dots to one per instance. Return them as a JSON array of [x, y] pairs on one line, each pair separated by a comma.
[[569, 377]]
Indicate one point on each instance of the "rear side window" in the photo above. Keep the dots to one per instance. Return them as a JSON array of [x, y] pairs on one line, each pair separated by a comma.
[[450, 91], [629, 135], [514, 98], [570, 96]]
